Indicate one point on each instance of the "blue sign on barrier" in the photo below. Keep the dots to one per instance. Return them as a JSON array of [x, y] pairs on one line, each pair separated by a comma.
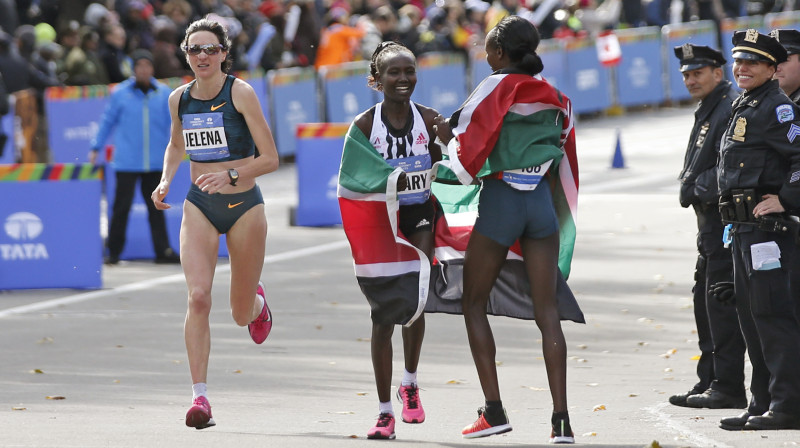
[[319, 152], [639, 73], [344, 87], [441, 82], [294, 100], [72, 124], [479, 68], [51, 234], [588, 84], [259, 85], [555, 62], [138, 242], [7, 151]]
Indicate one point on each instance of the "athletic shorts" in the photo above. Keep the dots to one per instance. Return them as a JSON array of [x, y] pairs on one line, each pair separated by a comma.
[[223, 210], [416, 218], [506, 214]]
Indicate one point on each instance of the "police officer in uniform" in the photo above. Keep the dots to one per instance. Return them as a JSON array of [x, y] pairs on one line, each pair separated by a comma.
[[721, 365], [759, 181], [788, 76]]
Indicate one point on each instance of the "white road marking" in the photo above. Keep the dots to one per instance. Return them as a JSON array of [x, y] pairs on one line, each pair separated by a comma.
[[682, 433], [137, 286]]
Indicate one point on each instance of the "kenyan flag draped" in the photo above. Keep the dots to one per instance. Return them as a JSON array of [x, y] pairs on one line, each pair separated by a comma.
[[516, 121], [392, 273]]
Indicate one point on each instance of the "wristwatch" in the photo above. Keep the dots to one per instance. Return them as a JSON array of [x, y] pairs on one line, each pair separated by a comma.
[[234, 175]]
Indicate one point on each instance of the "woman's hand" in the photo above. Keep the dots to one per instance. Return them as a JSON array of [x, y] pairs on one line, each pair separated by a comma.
[[212, 182], [442, 128], [159, 194], [769, 204], [402, 182]]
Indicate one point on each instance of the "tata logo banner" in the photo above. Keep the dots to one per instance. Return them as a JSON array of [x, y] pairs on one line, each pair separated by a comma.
[[50, 235]]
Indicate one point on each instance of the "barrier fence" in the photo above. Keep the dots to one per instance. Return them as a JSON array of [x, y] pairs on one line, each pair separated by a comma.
[[51, 226]]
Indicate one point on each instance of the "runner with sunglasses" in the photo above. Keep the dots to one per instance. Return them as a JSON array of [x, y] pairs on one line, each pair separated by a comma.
[[217, 121]]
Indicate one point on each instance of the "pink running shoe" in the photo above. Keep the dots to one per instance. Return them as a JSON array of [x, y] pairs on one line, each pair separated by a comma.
[[199, 415], [384, 429], [412, 408], [261, 326]]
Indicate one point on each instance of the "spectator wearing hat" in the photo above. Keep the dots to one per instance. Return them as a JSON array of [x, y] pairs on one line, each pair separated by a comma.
[[138, 115], [721, 365], [759, 182]]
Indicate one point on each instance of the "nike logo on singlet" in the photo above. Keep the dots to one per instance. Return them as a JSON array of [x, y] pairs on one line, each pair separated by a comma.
[[213, 108], [234, 205]]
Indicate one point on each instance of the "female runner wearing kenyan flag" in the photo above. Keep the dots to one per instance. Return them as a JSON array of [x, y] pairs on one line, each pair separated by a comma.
[[395, 133], [511, 134]]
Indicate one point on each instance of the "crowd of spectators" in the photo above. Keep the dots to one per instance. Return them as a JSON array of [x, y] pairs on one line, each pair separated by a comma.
[[78, 42], [47, 43]]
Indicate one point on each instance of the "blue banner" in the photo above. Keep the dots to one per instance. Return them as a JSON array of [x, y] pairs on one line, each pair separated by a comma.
[[51, 234], [259, 84], [138, 242], [441, 82], [555, 63], [697, 33], [639, 78], [588, 82], [319, 153], [294, 100], [344, 87], [72, 125], [479, 68]]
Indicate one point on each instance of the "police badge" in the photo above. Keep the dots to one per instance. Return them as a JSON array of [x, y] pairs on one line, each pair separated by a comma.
[[740, 129]]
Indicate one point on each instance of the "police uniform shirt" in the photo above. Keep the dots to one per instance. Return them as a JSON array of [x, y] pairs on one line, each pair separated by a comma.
[[213, 130], [406, 149], [699, 175], [761, 146]]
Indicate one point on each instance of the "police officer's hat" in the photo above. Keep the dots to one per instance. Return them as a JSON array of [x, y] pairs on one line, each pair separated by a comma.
[[790, 39], [755, 46], [693, 57]]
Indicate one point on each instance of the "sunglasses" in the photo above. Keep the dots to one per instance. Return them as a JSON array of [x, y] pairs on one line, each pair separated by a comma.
[[209, 49]]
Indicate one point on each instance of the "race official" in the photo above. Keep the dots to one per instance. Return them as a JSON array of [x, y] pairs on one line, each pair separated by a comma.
[[759, 182], [721, 366]]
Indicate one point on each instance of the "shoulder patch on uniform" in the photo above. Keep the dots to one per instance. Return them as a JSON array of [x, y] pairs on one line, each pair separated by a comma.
[[785, 113]]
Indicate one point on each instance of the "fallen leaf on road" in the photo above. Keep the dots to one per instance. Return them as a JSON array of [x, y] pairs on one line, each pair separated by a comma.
[[237, 371], [36, 371], [55, 397], [45, 340], [361, 394], [456, 382], [18, 408], [695, 358], [599, 407], [589, 434]]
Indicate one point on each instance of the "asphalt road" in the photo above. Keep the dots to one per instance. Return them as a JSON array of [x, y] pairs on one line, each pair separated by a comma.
[[116, 356]]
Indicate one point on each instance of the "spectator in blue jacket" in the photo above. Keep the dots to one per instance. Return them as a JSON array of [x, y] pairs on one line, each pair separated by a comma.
[[138, 115]]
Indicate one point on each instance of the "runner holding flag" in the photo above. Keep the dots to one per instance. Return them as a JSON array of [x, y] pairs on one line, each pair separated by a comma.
[[515, 135], [388, 214]]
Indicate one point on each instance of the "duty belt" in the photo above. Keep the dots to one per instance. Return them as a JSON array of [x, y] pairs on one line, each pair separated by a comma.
[[738, 209]]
